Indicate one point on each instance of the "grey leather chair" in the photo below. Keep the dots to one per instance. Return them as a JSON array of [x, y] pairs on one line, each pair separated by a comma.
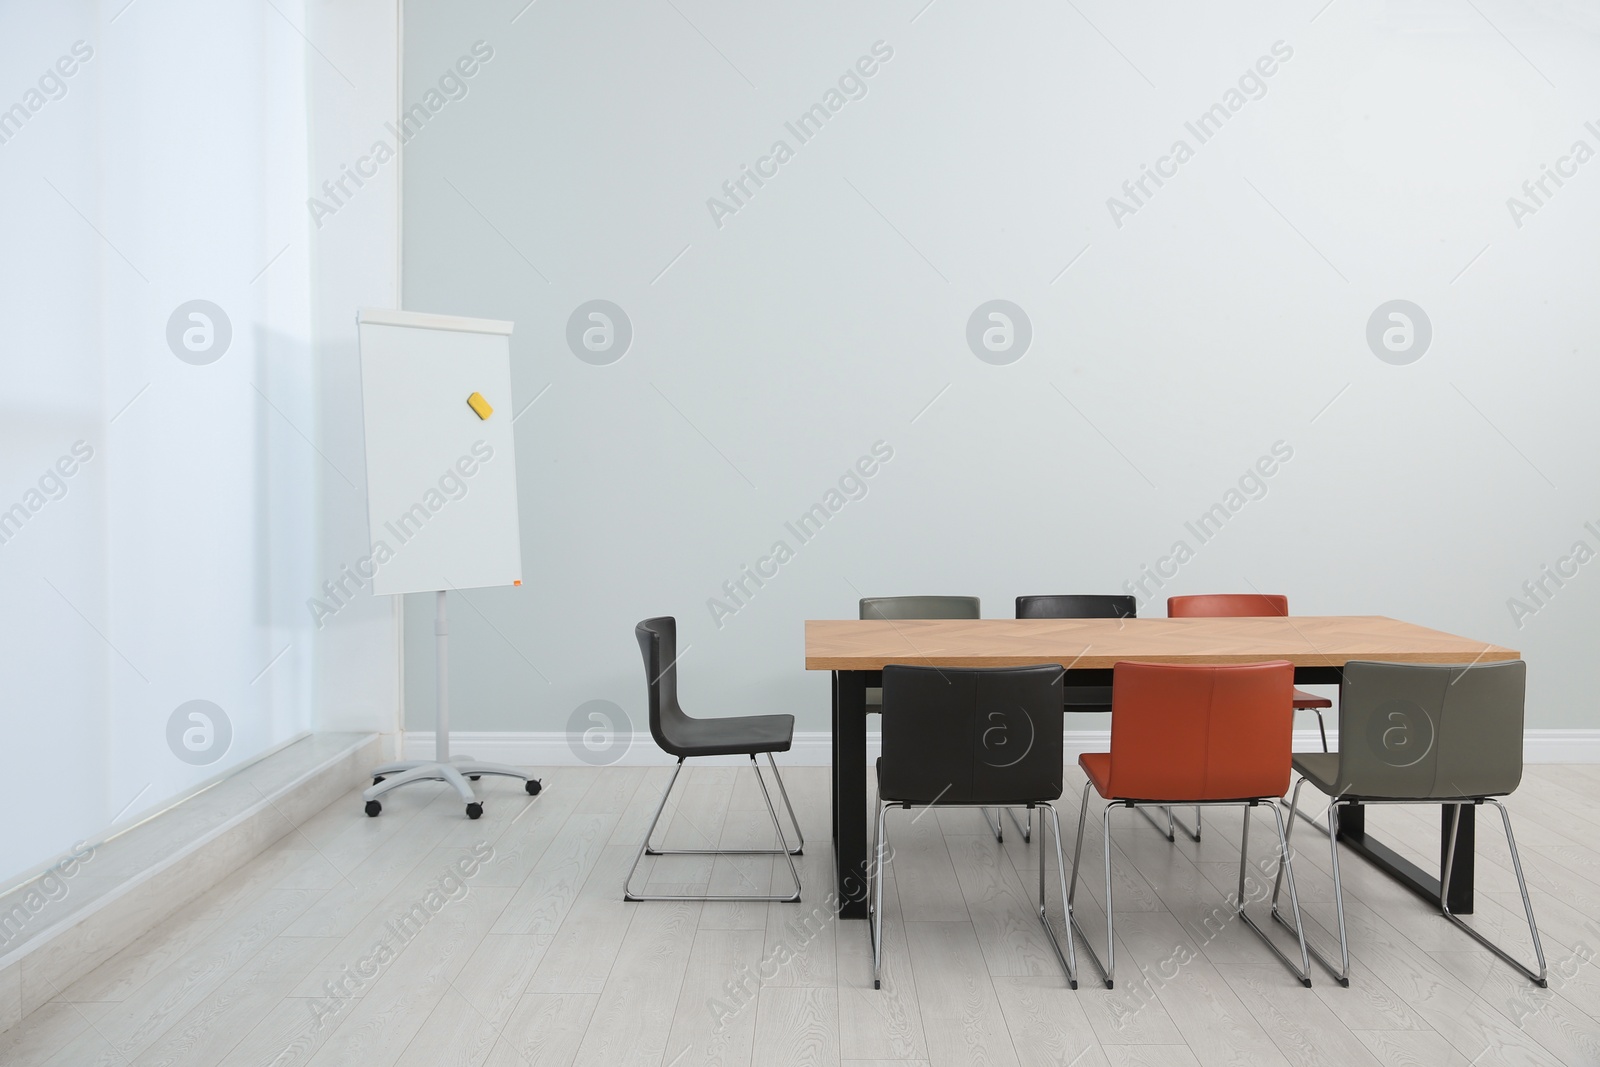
[[1080, 699], [970, 737], [683, 736], [919, 607], [1424, 734]]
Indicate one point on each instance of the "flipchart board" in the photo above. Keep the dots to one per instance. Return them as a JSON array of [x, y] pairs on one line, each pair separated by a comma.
[[441, 459]]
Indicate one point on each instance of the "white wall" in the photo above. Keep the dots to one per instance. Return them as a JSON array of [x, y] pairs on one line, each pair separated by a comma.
[[1228, 313], [177, 562]]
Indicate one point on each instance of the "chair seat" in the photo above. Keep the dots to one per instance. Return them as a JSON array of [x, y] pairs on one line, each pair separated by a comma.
[[1097, 765], [734, 735], [1321, 769], [1304, 701]]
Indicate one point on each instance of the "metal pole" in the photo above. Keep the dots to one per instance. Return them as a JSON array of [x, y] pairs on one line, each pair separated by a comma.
[[441, 646]]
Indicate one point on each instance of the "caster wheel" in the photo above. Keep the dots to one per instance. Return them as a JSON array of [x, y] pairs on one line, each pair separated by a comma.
[[474, 811], [876, 984], [377, 778], [533, 786], [373, 807], [474, 777]]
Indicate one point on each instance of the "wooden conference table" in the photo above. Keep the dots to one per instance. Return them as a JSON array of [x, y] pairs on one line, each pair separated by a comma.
[[1318, 646]]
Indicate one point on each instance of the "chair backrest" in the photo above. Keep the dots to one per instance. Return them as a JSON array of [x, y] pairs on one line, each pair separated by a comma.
[[1226, 605], [1422, 731], [1183, 732], [1077, 606], [919, 607], [658, 643], [971, 735]]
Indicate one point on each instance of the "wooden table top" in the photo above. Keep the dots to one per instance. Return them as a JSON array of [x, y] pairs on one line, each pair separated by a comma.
[[1089, 644]]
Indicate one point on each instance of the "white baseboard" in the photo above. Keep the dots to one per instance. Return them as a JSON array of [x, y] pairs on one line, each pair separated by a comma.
[[813, 748], [1561, 746]]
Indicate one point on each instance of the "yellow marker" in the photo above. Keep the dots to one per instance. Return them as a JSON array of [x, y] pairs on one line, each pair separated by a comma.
[[478, 404]]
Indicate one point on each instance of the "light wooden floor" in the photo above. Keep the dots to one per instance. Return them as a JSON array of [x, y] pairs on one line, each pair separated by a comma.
[[535, 959]]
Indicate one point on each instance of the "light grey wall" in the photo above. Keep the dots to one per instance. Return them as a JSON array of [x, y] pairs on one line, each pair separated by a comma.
[[1171, 349]]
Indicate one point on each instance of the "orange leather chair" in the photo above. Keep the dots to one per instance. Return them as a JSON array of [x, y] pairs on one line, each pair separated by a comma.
[[1239, 606], [1195, 735]]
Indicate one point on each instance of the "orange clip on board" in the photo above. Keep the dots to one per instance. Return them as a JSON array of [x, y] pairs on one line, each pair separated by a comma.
[[481, 406]]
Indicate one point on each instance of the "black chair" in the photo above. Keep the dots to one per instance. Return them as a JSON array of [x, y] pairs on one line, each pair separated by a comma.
[[901, 608], [1090, 699], [970, 737], [1077, 606], [680, 735]]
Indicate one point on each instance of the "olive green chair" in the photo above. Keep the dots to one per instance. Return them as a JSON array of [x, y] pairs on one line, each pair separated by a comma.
[[1423, 734]]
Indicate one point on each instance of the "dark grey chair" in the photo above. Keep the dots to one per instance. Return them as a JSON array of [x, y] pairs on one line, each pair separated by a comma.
[[1424, 734], [680, 735], [900, 608], [970, 737]]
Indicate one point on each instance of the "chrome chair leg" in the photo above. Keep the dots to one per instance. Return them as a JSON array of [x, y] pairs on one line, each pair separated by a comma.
[[995, 826], [800, 838], [1174, 824], [880, 845], [1072, 891], [1070, 960], [798, 850], [645, 849], [1284, 865], [1194, 835], [1107, 969], [1111, 933], [1541, 979], [1025, 827], [1152, 820], [1306, 815], [1341, 974]]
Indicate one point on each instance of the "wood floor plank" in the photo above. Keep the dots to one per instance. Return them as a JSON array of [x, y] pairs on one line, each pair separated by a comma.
[[1411, 1048], [929, 889], [797, 1027], [880, 1023], [455, 1035], [545, 1029], [542, 901], [1304, 1029], [961, 1017], [801, 936], [633, 1018], [1048, 1026], [1215, 1025], [1002, 910], [137, 1022], [375, 1029], [214, 1026], [715, 1020]]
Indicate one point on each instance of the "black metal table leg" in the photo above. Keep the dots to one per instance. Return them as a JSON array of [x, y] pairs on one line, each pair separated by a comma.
[[833, 764], [1353, 834], [849, 791], [1461, 874]]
